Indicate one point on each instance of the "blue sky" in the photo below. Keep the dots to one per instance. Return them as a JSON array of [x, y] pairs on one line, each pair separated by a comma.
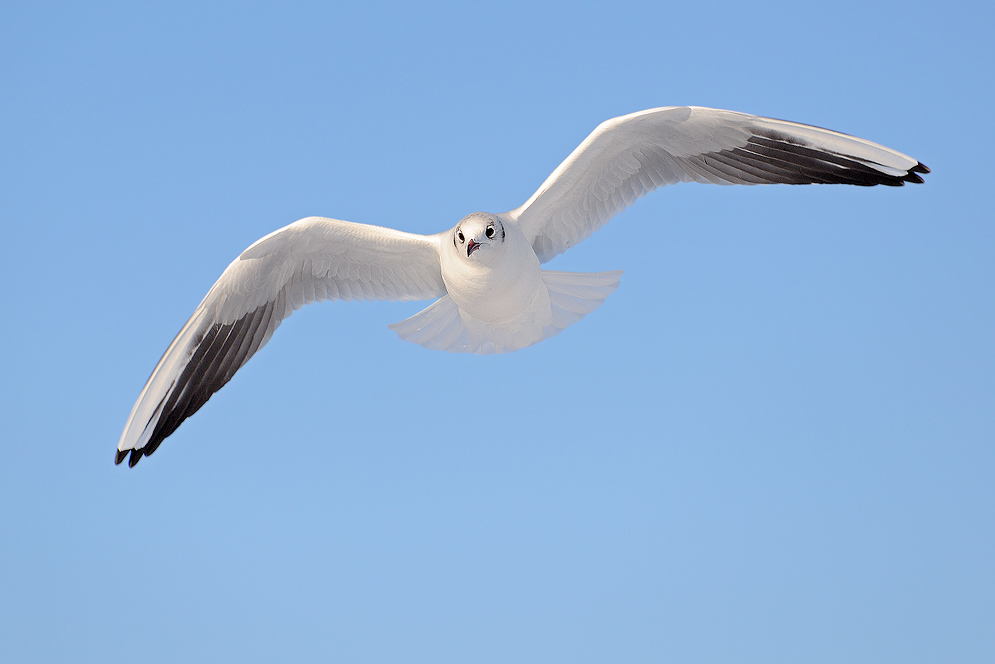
[[772, 444]]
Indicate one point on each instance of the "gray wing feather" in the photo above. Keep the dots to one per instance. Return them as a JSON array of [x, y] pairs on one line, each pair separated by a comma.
[[627, 157], [310, 260]]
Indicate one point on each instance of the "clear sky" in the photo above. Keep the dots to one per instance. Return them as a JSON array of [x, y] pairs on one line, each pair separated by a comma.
[[774, 442]]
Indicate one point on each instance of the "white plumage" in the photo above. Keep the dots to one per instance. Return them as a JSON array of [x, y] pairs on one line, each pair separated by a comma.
[[493, 295]]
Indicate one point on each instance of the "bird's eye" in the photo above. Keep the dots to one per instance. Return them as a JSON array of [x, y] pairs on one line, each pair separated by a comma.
[[459, 235], [489, 232]]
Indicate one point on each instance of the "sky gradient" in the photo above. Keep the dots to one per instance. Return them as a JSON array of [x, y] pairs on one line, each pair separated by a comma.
[[773, 443]]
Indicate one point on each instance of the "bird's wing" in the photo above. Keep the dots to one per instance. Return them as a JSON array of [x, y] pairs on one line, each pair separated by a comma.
[[312, 259], [627, 157]]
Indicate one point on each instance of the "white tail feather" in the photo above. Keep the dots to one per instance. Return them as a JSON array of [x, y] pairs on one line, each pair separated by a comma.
[[563, 299]]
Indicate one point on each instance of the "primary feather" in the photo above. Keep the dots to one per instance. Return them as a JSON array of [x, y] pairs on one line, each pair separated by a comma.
[[310, 260], [626, 158]]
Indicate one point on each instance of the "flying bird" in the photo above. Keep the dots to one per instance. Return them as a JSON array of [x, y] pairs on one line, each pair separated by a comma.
[[484, 273]]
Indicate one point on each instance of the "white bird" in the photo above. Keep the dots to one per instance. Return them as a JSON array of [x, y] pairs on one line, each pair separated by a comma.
[[493, 296]]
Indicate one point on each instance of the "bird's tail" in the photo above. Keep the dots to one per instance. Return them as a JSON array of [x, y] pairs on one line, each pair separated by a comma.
[[564, 299]]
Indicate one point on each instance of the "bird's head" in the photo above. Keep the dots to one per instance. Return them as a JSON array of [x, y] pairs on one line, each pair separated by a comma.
[[479, 237]]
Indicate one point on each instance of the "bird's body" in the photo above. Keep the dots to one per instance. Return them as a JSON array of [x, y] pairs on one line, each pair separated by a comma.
[[492, 294], [499, 278]]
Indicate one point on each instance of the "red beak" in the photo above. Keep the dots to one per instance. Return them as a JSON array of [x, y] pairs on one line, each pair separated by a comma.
[[471, 247]]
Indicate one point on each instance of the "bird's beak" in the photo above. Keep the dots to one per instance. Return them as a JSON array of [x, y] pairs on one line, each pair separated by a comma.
[[471, 247]]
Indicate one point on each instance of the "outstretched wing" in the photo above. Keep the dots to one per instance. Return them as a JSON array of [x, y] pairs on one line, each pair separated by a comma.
[[312, 259], [628, 157]]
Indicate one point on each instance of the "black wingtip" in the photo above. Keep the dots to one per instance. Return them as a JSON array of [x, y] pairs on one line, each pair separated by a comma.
[[119, 457], [136, 456], [912, 176]]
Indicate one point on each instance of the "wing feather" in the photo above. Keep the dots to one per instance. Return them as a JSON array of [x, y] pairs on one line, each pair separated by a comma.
[[625, 158], [310, 260]]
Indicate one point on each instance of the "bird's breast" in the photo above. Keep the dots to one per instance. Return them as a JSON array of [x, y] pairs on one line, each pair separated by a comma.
[[497, 291]]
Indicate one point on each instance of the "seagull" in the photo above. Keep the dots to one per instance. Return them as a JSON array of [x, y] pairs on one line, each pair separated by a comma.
[[491, 295]]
